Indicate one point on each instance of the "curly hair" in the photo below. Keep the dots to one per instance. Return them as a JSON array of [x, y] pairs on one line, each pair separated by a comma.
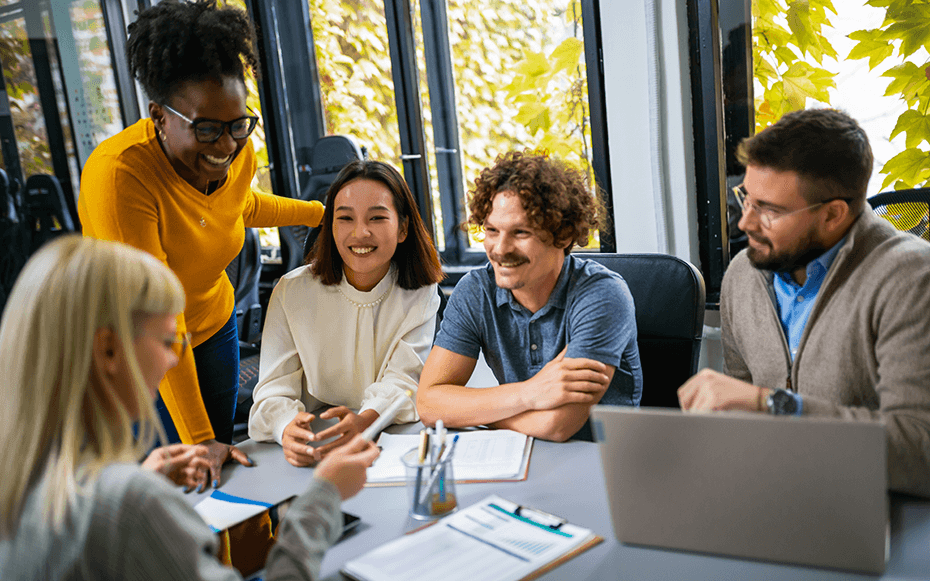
[[177, 41], [556, 196]]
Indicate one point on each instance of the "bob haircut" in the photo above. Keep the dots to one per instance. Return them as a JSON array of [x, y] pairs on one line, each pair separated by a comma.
[[416, 258], [60, 426]]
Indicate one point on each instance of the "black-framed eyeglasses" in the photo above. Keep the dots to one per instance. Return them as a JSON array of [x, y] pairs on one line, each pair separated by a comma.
[[210, 130], [768, 216]]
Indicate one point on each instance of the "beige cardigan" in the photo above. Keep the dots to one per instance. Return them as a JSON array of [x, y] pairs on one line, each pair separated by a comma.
[[865, 351]]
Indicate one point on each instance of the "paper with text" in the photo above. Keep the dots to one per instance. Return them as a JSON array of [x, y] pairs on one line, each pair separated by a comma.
[[479, 455]]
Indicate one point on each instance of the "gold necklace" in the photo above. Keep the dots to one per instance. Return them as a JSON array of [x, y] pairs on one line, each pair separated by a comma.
[[206, 192]]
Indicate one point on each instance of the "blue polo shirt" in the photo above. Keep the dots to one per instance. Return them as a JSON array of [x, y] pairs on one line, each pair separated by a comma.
[[795, 301], [590, 309]]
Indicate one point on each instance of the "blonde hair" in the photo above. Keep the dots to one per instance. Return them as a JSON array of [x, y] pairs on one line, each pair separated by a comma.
[[57, 427]]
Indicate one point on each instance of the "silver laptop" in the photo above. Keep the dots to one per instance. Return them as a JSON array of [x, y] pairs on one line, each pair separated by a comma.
[[807, 491]]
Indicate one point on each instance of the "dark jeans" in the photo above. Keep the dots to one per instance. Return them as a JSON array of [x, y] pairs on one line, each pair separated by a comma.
[[217, 361]]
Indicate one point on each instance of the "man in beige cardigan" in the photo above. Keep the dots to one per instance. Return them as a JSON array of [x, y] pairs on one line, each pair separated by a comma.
[[827, 312]]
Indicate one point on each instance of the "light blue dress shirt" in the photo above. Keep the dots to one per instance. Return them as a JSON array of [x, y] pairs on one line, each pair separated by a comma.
[[795, 302]]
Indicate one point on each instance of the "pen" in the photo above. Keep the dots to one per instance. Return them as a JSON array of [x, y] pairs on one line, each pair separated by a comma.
[[386, 418], [421, 457], [441, 436], [435, 473]]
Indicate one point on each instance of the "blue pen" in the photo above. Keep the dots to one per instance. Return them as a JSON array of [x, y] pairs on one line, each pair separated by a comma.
[[436, 471]]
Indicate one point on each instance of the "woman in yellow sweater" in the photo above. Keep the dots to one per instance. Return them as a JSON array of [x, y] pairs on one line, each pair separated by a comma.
[[178, 185]]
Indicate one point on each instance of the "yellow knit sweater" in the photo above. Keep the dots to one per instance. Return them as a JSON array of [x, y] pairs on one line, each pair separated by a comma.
[[131, 193]]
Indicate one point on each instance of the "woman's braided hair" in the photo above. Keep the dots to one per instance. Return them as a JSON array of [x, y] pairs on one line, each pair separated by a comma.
[[176, 41]]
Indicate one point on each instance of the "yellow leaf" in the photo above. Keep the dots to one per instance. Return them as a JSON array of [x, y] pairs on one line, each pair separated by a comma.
[[533, 64], [567, 54]]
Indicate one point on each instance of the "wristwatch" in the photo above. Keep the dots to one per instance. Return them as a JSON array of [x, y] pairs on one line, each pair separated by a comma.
[[782, 402]]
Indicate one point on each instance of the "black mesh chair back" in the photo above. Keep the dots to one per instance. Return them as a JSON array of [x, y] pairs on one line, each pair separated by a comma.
[[45, 211], [330, 155], [14, 239], [244, 273], [669, 297], [907, 210]]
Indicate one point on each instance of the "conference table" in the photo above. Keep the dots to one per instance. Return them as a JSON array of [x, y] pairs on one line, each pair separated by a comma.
[[564, 479]]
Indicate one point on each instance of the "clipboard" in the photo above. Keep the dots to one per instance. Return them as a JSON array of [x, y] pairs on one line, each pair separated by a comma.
[[494, 538]]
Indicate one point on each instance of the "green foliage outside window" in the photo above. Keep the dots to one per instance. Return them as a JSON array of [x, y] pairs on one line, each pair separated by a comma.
[[788, 51], [786, 35], [905, 30], [517, 83], [19, 77]]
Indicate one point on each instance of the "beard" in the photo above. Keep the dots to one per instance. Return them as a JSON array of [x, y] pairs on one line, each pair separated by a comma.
[[805, 249]]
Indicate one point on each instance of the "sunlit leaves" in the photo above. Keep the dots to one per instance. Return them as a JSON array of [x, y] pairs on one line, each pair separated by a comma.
[[907, 80], [802, 81], [787, 38], [908, 169], [906, 27], [870, 46], [915, 125]]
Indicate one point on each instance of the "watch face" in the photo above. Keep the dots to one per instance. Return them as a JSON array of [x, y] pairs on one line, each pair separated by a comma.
[[783, 403]]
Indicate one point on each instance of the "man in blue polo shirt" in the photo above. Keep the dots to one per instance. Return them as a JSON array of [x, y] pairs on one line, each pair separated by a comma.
[[559, 332]]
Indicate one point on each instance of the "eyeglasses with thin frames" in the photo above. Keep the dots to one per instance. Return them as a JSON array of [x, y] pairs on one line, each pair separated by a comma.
[[210, 130], [768, 216]]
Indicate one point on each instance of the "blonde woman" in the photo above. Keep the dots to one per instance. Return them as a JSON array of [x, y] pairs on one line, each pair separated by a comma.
[[88, 333]]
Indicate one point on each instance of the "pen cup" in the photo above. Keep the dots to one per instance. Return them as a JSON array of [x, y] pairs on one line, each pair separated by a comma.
[[430, 486]]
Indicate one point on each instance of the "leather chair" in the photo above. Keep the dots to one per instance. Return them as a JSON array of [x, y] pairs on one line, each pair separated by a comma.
[[669, 297], [907, 210]]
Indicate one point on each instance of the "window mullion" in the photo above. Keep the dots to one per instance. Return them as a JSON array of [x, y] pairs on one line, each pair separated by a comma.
[[445, 124], [600, 158], [409, 114], [112, 11]]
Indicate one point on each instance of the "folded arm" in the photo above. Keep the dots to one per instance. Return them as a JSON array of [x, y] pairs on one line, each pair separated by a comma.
[[551, 405]]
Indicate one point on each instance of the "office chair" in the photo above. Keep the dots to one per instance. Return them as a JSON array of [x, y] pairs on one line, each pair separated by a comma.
[[329, 156], [14, 238], [44, 210], [669, 297], [907, 210], [244, 272]]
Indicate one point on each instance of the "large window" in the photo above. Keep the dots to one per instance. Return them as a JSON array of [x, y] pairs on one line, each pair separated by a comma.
[[439, 88], [467, 81]]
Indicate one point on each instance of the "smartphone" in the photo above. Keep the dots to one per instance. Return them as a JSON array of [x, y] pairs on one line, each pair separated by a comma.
[[318, 425], [349, 524]]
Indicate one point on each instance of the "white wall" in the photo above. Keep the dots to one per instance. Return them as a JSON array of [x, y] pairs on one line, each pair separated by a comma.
[[638, 198], [627, 61]]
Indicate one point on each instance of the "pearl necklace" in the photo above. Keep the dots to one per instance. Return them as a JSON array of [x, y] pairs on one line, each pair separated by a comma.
[[364, 305]]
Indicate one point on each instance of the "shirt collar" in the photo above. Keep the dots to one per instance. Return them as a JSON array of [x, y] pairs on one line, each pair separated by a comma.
[[822, 263]]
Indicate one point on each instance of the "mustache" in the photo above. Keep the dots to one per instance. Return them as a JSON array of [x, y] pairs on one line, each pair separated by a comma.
[[511, 257], [759, 239]]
